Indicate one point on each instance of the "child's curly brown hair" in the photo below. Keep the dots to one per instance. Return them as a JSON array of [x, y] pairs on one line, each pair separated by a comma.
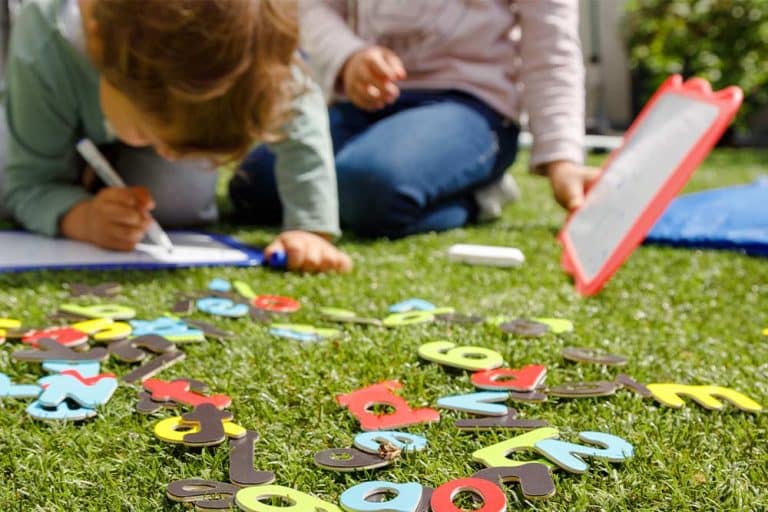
[[218, 71]]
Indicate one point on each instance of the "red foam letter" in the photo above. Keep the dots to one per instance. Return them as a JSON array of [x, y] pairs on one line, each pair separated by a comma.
[[360, 402], [66, 336], [492, 495], [524, 379], [179, 391]]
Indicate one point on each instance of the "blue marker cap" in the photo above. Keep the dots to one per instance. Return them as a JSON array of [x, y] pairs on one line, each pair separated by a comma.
[[278, 260]]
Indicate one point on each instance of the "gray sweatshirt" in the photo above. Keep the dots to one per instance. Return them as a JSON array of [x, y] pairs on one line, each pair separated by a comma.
[[513, 54]]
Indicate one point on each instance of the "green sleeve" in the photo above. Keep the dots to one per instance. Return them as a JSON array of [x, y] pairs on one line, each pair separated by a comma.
[[41, 177], [305, 168]]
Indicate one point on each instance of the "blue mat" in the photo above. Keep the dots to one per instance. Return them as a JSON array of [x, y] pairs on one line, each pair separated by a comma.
[[733, 218]]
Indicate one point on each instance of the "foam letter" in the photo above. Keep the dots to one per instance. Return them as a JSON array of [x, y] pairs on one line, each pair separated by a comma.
[[241, 471], [7, 323], [59, 387], [303, 332], [65, 411], [706, 396], [179, 391], [65, 336], [412, 305], [152, 367], [465, 358], [175, 429], [104, 329], [491, 494], [476, 403], [494, 422], [505, 379], [360, 402], [51, 350], [113, 311], [222, 307], [535, 479], [275, 303], [497, 455], [414, 317], [408, 496], [566, 455], [10, 390], [349, 459], [251, 499], [131, 351], [371, 441], [204, 494], [171, 329]]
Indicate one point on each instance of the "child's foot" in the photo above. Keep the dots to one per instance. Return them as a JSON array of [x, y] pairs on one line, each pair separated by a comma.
[[492, 198]]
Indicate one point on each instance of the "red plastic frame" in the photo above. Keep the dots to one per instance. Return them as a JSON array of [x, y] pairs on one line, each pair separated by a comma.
[[727, 102]]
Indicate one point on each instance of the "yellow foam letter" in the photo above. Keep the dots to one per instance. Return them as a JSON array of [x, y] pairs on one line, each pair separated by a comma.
[[250, 500], [706, 396], [497, 455], [466, 358]]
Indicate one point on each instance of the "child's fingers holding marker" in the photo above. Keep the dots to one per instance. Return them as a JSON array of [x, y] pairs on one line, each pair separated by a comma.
[[122, 238], [143, 199], [125, 216], [116, 218], [125, 206]]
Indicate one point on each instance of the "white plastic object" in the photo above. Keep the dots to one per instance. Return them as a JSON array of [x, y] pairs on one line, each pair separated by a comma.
[[491, 255]]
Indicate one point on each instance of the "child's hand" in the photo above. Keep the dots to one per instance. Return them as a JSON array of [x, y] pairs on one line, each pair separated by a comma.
[[369, 77], [116, 218], [570, 182], [308, 252]]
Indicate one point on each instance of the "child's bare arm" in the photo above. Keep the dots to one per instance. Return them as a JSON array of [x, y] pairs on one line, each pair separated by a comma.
[[306, 181]]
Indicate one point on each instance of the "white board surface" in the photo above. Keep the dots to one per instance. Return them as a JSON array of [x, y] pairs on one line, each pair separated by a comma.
[[650, 157], [25, 251]]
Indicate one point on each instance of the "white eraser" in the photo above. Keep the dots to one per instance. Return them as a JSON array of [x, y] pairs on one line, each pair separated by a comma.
[[486, 255]]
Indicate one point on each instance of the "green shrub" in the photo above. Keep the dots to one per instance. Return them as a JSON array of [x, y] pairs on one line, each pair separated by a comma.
[[723, 41]]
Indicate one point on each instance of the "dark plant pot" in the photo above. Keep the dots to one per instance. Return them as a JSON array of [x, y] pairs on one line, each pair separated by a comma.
[[728, 140], [641, 89]]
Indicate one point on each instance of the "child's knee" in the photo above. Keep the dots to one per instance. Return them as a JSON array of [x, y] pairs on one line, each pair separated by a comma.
[[374, 203]]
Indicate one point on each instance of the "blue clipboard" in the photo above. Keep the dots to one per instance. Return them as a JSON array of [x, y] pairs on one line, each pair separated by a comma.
[[21, 251]]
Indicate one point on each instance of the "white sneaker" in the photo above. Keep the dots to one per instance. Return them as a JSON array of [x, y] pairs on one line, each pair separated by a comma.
[[492, 198]]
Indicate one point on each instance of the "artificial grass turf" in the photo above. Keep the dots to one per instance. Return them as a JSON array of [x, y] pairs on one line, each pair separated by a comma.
[[680, 316]]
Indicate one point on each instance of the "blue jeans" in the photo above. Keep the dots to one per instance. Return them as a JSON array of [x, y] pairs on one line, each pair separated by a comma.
[[409, 168]]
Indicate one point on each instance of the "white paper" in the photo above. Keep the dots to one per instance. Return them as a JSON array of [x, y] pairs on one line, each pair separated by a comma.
[[655, 150], [20, 249]]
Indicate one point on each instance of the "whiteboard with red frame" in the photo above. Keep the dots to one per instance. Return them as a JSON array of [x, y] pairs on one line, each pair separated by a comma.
[[672, 135]]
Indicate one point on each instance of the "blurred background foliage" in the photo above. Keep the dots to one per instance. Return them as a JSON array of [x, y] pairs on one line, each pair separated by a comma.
[[723, 41]]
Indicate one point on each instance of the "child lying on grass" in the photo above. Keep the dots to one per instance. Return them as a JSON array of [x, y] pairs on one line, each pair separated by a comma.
[[174, 88]]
